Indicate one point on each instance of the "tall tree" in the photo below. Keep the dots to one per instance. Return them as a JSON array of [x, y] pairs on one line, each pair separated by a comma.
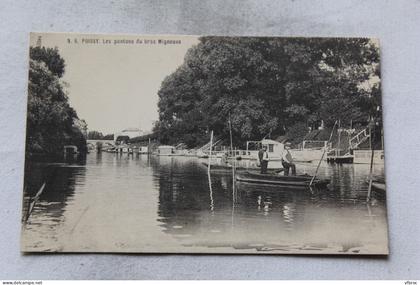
[[265, 85], [94, 135], [51, 121]]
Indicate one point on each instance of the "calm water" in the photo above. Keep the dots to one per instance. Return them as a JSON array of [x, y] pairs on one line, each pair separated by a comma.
[[169, 204]]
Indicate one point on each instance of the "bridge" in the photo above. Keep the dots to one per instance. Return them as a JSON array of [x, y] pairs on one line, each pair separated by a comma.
[[92, 144], [122, 138]]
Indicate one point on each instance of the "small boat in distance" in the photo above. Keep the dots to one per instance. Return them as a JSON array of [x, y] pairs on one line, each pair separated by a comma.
[[298, 181]]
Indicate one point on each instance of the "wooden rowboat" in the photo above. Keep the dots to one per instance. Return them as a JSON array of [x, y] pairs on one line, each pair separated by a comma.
[[298, 181], [378, 185], [229, 167]]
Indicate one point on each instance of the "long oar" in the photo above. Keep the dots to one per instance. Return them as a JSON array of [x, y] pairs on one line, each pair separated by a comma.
[[322, 157]]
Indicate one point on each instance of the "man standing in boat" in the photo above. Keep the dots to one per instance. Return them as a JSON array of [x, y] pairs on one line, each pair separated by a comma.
[[287, 160], [264, 160], [260, 156]]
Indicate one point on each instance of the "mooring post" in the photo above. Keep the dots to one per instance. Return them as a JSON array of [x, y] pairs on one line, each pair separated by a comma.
[[371, 164], [322, 157]]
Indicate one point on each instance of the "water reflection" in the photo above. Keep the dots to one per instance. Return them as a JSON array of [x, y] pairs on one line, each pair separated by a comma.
[[48, 211], [120, 202]]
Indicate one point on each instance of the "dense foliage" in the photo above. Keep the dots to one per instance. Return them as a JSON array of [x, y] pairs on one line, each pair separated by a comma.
[[51, 122], [268, 87], [108, 137], [95, 135]]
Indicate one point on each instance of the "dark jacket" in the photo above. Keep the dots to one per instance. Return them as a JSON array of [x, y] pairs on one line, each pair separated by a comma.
[[260, 154]]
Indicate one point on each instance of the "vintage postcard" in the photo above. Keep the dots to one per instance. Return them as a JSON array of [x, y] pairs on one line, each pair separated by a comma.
[[204, 144]]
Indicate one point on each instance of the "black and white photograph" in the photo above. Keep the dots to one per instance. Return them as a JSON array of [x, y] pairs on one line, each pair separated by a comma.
[[204, 145]]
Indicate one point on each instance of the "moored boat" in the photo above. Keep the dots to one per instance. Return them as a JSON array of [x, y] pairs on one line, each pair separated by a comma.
[[229, 167], [298, 181], [378, 184]]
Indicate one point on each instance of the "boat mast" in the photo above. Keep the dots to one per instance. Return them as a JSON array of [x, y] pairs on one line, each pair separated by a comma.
[[230, 132], [339, 139]]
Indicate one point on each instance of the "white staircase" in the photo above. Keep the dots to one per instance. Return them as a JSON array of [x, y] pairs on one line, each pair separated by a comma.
[[359, 138], [206, 147]]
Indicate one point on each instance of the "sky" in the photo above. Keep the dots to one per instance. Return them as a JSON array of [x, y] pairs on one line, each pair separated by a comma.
[[113, 80]]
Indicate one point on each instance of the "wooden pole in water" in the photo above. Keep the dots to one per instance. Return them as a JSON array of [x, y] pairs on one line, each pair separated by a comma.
[[208, 174], [322, 157], [33, 200], [211, 146], [371, 164]]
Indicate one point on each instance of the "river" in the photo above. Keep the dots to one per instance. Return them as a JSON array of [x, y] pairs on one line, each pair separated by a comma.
[[127, 203]]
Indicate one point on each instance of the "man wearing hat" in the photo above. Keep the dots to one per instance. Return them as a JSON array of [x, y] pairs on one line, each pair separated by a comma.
[[264, 160], [287, 160]]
